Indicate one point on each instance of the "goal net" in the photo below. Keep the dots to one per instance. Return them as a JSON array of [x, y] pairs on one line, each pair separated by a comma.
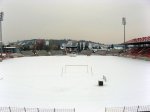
[[76, 69]]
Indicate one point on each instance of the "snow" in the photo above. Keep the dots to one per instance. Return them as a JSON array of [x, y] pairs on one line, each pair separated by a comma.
[[43, 82]]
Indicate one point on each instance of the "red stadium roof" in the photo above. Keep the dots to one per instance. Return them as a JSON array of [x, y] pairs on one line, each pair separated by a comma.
[[139, 40]]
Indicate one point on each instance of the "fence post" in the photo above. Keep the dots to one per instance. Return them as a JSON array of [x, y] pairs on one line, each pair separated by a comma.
[[138, 108], [74, 110], [25, 109], [9, 109], [124, 109], [105, 109], [38, 110], [54, 110]]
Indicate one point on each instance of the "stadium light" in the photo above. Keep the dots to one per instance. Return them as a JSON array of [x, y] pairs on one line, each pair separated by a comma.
[[1, 19], [124, 23]]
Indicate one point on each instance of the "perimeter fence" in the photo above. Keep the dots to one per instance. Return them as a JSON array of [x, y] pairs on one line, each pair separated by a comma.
[[145, 108], [16, 109]]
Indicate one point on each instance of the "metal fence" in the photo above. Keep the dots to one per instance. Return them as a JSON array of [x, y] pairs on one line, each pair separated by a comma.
[[16, 109], [145, 108]]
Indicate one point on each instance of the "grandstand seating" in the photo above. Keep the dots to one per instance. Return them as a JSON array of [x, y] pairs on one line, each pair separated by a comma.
[[147, 52], [138, 52]]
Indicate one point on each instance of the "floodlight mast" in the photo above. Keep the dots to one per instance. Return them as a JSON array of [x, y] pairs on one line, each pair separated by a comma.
[[124, 23], [1, 19]]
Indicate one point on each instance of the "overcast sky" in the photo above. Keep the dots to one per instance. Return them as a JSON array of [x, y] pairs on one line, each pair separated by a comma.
[[95, 20]]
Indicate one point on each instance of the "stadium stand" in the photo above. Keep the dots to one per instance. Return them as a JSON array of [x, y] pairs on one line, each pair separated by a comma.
[[138, 48]]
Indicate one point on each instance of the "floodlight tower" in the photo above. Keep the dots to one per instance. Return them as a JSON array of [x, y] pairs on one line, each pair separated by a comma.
[[1, 19], [124, 23]]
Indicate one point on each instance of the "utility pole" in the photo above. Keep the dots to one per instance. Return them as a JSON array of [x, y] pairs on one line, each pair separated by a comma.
[[124, 23], [1, 19]]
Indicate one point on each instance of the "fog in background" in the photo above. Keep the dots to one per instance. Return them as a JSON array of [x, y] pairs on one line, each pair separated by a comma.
[[95, 20]]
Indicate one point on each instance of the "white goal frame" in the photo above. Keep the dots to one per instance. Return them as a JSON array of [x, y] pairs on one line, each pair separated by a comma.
[[79, 65]]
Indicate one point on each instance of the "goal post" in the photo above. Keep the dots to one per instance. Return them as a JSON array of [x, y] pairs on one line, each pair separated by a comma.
[[76, 68]]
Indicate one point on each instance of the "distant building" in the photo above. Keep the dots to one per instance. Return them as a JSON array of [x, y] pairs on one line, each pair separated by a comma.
[[93, 45], [71, 46], [46, 42]]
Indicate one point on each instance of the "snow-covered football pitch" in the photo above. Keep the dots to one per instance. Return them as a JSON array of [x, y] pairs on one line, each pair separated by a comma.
[[72, 82]]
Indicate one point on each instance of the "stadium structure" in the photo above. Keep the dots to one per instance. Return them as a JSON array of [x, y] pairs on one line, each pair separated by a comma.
[[138, 47]]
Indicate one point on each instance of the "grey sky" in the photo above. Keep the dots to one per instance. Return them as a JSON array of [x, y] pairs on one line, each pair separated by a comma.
[[96, 20]]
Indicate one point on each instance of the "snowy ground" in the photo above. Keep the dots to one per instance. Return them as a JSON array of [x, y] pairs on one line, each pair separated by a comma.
[[45, 82]]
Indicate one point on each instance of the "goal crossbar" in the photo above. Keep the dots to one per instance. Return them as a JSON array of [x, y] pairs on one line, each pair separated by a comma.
[[76, 65]]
